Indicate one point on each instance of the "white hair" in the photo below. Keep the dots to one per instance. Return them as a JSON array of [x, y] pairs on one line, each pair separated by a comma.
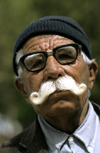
[[20, 54], [86, 59]]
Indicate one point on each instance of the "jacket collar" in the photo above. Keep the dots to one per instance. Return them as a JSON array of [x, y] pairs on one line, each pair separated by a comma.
[[96, 108]]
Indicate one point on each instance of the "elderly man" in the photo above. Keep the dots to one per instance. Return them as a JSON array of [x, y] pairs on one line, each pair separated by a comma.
[[55, 73]]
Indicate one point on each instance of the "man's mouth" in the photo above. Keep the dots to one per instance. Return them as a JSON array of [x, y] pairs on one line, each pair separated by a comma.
[[60, 93]]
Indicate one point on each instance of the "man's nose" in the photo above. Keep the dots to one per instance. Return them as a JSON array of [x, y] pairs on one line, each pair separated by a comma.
[[53, 69]]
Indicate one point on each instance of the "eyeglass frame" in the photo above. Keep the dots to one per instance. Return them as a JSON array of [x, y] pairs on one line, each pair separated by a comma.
[[77, 46]]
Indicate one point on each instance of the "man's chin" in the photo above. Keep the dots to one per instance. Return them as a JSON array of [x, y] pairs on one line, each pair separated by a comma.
[[60, 107]]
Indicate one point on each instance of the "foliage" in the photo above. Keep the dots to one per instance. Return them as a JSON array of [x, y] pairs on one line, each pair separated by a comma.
[[14, 17]]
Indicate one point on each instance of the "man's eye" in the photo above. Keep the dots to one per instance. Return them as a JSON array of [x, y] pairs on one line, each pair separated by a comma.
[[37, 63], [63, 57]]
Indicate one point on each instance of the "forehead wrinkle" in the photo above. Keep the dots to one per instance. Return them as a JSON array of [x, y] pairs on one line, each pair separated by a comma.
[[35, 43], [33, 40], [57, 41], [27, 43], [50, 42], [39, 38], [45, 42], [32, 46]]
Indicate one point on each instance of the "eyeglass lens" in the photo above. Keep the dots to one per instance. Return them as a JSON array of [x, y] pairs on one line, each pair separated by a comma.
[[35, 62], [65, 54]]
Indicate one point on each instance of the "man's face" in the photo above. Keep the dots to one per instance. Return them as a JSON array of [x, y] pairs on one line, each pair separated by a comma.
[[59, 103]]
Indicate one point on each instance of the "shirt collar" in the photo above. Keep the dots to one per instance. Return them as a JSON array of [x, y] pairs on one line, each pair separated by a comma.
[[86, 132], [54, 137]]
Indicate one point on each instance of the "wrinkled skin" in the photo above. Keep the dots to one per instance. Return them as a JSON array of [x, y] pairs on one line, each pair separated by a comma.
[[63, 110]]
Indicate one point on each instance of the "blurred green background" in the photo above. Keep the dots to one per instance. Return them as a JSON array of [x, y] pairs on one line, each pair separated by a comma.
[[15, 15]]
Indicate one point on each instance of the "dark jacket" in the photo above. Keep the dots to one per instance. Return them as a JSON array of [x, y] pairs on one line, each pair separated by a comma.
[[31, 140]]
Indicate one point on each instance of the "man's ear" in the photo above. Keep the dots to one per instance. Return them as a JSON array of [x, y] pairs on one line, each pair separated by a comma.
[[21, 88], [93, 70]]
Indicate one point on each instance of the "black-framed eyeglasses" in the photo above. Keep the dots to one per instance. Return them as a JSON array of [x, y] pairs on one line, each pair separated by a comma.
[[65, 54]]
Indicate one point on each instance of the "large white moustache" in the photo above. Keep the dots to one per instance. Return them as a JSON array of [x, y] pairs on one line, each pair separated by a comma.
[[61, 84]]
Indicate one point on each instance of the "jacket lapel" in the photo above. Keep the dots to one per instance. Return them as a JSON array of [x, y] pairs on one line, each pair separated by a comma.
[[33, 140]]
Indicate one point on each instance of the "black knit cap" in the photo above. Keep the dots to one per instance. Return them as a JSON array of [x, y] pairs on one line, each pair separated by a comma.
[[59, 25]]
